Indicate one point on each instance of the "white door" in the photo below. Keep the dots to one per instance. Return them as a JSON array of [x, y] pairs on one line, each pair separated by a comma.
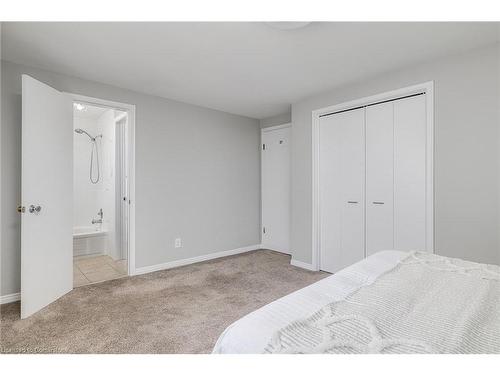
[[342, 193], [379, 178], [276, 189], [47, 195]]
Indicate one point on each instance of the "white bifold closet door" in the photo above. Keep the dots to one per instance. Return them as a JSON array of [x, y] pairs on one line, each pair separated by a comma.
[[372, 181], [342, 192]]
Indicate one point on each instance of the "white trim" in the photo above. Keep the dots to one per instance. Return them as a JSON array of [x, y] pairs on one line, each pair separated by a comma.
[[428, 89], [429, 171], [130, 109], [201, 258], [275, 127], [265, 247], [8, 298], [307, 266], [121, 116]]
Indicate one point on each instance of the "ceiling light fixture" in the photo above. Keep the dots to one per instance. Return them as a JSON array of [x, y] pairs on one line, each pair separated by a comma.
[[79, 106]]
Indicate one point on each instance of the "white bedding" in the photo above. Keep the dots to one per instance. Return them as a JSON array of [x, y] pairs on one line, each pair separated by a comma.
[[252, 333]]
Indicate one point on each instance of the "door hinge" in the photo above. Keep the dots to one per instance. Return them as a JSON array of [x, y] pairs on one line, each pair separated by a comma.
[[263, 146], [264, 230]]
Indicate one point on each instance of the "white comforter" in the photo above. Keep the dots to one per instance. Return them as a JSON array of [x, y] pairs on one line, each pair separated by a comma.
[[252, 333]]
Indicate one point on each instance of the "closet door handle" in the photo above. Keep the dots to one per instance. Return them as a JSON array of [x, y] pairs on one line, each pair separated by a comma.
[[352, 202], [378, 202]]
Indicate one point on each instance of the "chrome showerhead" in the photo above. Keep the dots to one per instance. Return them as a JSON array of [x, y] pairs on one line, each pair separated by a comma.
[[81, 131], [94, 150]]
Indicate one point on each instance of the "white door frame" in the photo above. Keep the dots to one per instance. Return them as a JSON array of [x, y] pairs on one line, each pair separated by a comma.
[[123, 187], [262, 131], [130, 109], [428, 89]]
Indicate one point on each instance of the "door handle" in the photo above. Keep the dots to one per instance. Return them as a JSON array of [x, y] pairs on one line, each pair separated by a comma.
[[32, 209], [352, 202], [378, 202]]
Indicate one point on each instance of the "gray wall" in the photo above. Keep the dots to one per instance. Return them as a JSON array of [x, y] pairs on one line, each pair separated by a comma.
[[466, 152], [283, 118], [197, 174]]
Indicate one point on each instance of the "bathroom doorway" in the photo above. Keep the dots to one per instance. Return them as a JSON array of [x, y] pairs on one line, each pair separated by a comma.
[[100, 193], [49, 223]]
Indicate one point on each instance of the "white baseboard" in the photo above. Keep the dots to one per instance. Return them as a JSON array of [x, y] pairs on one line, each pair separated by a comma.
[[201, 258], [298, 263], [274, 249], [8, 298]]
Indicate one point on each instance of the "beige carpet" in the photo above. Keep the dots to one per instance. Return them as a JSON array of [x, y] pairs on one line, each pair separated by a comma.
[[182, 310]]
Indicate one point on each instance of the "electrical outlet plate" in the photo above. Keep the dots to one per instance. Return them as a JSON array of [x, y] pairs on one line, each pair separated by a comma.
[[178, 242]]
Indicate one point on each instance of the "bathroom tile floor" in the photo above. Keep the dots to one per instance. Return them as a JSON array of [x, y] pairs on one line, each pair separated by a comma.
[[94, 269]]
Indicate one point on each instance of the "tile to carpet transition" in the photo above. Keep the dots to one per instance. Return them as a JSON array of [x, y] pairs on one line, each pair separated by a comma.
[[180, 310]]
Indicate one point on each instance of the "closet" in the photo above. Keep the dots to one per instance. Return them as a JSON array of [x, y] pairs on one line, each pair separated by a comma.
[[275, 180], [372, 180]]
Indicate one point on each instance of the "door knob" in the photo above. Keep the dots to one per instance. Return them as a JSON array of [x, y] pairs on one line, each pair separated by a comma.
[[33, 209], [21, 209]]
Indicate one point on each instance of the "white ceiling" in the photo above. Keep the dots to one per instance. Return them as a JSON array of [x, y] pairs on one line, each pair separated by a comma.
[[250, 69]]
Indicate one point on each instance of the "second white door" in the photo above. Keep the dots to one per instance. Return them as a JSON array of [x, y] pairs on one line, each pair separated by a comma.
[[276, 189]]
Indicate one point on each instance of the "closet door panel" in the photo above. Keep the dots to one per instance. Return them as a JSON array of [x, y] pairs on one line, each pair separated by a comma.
[[330, 192], [352, 177], [379, 178], [410, 173], [342, 174]]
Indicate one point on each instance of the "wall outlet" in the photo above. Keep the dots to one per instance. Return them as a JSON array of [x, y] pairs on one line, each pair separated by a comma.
[[178, 242]]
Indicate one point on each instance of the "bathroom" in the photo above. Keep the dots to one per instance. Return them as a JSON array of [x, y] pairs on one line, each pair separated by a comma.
[[99, 194]]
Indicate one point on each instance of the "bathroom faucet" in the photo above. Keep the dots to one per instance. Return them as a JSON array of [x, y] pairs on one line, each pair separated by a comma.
[[98, 221]]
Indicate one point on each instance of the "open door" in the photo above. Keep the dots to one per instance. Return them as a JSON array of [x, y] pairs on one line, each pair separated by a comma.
[[47, 196]]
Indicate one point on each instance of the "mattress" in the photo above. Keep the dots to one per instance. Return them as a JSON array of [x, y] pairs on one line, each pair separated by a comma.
[[253, 332]]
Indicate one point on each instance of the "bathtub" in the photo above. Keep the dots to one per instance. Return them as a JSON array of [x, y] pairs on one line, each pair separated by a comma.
[[89, 241]]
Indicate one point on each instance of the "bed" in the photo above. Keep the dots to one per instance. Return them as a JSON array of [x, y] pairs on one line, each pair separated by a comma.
[[390, 302]]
